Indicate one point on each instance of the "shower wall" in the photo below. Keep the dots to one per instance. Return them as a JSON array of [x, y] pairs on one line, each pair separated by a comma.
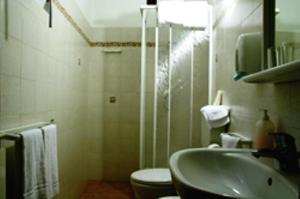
[[181, 63], [121, 80], [184, 116], [162, 97], [121, 88], [94, 136]]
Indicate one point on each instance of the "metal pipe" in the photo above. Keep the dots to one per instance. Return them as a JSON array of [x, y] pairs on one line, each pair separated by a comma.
[[191, 92], [155, 95], [10, 136], [143, 90], [170, 92], [6, 19], [211, 61]]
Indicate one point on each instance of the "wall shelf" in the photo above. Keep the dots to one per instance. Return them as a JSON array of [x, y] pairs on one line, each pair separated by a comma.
[[284, 73]]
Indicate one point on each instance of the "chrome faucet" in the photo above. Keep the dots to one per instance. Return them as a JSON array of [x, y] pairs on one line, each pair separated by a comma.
[[284, 151]]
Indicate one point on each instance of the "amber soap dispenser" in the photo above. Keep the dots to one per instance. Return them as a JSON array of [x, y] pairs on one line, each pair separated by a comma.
[[264, 127]]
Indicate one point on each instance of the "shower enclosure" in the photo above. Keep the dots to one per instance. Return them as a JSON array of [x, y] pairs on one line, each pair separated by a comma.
[[174, 86]]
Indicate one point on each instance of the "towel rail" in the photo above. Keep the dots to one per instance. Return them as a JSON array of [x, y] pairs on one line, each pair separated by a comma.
[[13, 134]]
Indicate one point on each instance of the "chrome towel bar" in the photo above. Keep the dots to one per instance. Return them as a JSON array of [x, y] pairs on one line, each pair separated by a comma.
[[13, 134]]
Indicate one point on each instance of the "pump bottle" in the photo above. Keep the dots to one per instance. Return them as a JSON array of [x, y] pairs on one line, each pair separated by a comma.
[[264, 127]]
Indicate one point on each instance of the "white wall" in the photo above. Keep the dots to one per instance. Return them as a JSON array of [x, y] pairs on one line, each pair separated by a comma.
[[40, 79], [112, 13], [282, 100], [2, 22], [288, 18]]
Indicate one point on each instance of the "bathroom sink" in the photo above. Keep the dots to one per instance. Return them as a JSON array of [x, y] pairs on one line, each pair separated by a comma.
[[235, 173]]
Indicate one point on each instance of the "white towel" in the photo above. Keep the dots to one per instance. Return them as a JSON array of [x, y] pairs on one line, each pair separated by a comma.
[[216, 116], [52, 179], [34, 164], [229, 141]]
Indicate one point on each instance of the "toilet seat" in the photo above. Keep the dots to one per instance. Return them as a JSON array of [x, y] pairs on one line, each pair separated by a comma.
[[152, 183], [156, 177]]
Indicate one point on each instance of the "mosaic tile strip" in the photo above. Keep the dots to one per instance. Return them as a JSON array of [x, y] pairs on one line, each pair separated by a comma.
[[71, 20], [87, 39], [120, 44]]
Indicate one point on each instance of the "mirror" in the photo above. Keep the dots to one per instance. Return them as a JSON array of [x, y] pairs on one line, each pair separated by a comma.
[[2, 22], [268, 43], [287, 31]]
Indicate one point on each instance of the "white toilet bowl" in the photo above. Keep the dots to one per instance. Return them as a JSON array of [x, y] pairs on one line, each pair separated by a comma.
[[152, 183]]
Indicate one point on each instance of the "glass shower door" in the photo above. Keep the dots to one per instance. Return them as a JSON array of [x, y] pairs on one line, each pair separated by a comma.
[[174, 83]]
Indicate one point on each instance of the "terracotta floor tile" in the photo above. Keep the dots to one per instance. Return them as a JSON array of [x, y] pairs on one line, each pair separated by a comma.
[[107, 190]]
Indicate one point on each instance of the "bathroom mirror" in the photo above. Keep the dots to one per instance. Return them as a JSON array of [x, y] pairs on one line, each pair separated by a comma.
[[287, 31], [2, 22], [268, 34], [252, 47], [257, 44], [281, 32]]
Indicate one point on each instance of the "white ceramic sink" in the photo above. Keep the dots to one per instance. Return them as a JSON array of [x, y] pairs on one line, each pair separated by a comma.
[[218, 173]]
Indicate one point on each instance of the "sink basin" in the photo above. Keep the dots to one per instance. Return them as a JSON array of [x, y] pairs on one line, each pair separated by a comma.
[[235, 173]]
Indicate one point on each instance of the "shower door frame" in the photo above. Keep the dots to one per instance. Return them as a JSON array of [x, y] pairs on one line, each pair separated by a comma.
[[142, 162]]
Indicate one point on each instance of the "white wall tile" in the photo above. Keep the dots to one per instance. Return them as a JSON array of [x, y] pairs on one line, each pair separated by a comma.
[[281, 100], [10, 96], [40, 79]]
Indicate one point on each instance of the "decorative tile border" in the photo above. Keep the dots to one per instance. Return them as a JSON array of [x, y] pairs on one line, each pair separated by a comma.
[[87, 39], [71, 20], [120, 44]]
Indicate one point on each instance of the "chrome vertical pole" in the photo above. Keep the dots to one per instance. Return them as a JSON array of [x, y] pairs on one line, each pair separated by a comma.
[[211, 60], [191, 91], [169, 92], [155, 93], [143, 90]]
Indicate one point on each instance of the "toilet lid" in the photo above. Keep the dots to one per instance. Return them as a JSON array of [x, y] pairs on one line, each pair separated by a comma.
[[152, 176]]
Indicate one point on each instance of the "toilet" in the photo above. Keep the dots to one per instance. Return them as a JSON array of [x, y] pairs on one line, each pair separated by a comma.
[[152, 183]]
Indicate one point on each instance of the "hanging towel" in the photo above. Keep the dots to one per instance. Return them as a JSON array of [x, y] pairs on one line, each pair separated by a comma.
[[216, 116], [52, 179], [34, 164], [229, 141]]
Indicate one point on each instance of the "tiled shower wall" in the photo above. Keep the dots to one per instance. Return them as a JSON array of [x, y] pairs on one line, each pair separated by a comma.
[[43, 75], [121, 72], [180, 108], [95, 114], [282, 100]]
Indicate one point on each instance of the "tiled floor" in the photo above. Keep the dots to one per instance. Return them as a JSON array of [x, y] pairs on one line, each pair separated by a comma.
[[107, 190]]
